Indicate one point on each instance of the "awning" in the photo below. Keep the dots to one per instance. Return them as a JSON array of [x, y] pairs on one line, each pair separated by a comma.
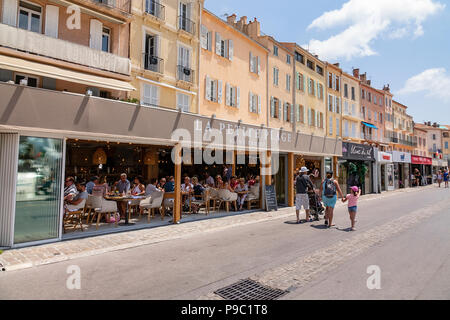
[[35, 68], [369, 125]]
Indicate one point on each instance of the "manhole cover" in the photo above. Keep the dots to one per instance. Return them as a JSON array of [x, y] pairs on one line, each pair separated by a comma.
[[249, 290]]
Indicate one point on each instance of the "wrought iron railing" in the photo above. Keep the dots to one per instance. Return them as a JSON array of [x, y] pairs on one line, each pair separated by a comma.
[[185, 74], [122, 5], [155, 9], [186, 24], [153, 63]]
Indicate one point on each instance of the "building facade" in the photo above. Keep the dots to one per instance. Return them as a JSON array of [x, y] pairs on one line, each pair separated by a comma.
[[351, 111], [334, 100]]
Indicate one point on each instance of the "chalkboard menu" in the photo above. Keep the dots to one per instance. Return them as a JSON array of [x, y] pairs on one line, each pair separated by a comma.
[[271, 198]]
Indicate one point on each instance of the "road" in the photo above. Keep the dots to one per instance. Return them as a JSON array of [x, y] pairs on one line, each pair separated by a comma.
[[406, 235]]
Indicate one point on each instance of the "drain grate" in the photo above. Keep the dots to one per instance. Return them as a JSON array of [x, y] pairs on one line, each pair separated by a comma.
[[249, 290]]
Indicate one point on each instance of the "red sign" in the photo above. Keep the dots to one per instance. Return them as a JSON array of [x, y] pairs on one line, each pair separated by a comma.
[[421, 160], [386, 157]]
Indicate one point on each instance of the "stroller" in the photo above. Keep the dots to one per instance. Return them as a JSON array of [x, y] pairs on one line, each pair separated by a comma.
[[315, 206]]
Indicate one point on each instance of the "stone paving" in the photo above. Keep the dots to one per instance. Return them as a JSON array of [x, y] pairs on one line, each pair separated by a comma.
[[299, 273], [28, 257]]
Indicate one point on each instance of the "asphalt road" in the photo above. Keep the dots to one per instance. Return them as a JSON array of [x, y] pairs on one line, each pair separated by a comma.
[[414, 264]]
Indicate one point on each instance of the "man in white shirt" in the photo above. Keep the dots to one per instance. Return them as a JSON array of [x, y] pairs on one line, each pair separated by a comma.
[[151, 187]]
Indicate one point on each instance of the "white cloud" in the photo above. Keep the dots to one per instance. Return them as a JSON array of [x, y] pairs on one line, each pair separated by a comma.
[[434, 82], [366, 20]]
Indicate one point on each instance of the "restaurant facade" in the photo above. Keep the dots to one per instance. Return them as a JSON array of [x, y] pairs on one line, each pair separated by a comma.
[[402, 169], [40, 131], [385, 167], [424, 165]]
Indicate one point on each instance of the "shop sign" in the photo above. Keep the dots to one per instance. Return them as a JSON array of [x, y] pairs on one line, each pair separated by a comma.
[[401, 157], [421, 160], [354, 151], [384, 157]]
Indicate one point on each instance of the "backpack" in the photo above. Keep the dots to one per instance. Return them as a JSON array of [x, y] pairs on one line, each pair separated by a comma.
[[329, 189]]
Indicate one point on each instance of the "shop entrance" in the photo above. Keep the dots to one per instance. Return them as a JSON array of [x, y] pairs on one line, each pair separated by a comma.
[[280, 181]]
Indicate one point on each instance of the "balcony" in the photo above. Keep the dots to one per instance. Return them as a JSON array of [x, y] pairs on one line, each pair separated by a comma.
[[120, 5], [153, 63], [186, 25], [155, 9], [185, 74], [64, 50]]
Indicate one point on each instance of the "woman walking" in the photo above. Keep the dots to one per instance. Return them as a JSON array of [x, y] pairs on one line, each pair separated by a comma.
[[329, 189], [352, 199], [439, 178]]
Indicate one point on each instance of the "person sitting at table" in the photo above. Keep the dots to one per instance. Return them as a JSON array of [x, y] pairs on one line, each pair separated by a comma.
[[123, 186], [74, 204], [219, 182], [251, 180], [234, 182], [186, 189], [209, 181], [138, 188], [91, 184], [151, 187], [100, 189], [160, 185], [70, 190], [242, 191], [169, 186], [198, 192]]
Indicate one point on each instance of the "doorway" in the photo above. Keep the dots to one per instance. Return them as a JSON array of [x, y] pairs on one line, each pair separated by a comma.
[[280, 181]]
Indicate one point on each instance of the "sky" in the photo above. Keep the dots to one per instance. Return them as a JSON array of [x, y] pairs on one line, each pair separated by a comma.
[[403, 43]]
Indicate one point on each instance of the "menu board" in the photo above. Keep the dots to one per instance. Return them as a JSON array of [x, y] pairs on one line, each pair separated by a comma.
[[271, 198]]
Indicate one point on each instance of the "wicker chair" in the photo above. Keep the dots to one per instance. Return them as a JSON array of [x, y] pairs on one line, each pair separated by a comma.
[[253, 196], [227, 197]]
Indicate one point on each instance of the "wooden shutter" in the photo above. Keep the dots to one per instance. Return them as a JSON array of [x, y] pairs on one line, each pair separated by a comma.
[[250, 102], [10, 12], [259, 65], [96, 30], [227, 95], [51, 21], [238, 97], [204, 37], [230, 49], [259, 104], [218, 44], [219, 91], [280, 110], [208, 89], [272, 107], [252, 66]]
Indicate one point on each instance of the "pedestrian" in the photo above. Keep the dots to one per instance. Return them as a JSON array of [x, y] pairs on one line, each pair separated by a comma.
[[302, 182], [352, 199], [329, 189], [439, 178], [446, 178]]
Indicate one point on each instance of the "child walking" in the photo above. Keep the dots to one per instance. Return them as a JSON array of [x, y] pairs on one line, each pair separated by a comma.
[[352, 199]]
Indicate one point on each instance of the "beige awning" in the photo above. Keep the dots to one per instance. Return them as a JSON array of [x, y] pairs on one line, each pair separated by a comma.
[[35, 68]]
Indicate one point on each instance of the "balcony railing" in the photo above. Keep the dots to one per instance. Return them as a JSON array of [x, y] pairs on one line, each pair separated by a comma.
[[185, 74], [186, 24], [64, 50], [153, 63], [121, 5], [155, 9]]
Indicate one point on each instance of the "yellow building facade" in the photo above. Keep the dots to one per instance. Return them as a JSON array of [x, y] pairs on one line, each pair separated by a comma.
[[403, 129], [351, 114], [334, 100], [164, 52]]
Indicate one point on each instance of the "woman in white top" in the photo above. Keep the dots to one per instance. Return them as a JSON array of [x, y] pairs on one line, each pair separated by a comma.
[[138, 187]]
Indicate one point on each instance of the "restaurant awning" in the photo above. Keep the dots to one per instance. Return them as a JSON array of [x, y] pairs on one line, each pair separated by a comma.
[[369, 125], [35, 68]]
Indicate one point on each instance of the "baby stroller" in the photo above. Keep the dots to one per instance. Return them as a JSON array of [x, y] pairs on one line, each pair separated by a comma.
[[315, 206]]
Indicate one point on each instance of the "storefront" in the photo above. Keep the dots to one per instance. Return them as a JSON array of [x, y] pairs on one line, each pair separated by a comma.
[[49, 135], [356, 167], [424, 165], [386, 171], [402, 170]]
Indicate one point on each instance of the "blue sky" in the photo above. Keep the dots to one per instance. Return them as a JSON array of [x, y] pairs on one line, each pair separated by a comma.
[[401, 42]]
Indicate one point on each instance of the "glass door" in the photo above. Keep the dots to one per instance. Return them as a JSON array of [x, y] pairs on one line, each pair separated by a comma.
[[38, 191], [280, 181]]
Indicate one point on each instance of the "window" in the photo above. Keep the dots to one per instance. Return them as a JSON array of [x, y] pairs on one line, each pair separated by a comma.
[[224, 48], [320, 91], [254, 103], [346, 90], [434, 137], [232, 96], [275, 76], [213, 91], [353, 130], [375, 99], [330, 126], [363, 112], [330, 80], [311, 88], [310, 64], [275, 108], [300, 82], [150, 95], [337, 84], [287, 112], [338, 105], [446, 144], [183, 102], [369, 96], [321, 120], [300, 114], [346, 110], [337, 127], [206, 38], [330, 102], [319, 70], [299, 57], [288, 82], [381, 117], [275, 51], [255, 66], [375, 114], [106, 39], [30, 81], [353, 94], [29, 16], [184, 19], [151, 61], [288, 59]]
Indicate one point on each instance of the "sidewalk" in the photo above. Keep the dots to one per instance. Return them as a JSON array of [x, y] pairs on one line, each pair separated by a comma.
[[16, 259]]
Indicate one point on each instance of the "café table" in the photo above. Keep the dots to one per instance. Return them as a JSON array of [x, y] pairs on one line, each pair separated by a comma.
[[127, 199]]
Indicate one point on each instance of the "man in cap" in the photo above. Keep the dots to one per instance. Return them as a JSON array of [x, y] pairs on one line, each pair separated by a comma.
[[302, 182]]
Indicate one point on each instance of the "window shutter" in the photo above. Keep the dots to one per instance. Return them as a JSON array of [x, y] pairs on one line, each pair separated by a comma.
[[51, 21], [297, 81], [10, 12], [227, 95], [252, 68], [292, 113], [259, 104], [204, 37], [314, 87], [318, 90], [297, 111], [238, 97], [155, 95], [250, 102], [208, 89], [304, 83], [209, 36], [259, 65], [96, 30], [272, 107], [230, 49], [280, 110], [218, 44], [219, 91]]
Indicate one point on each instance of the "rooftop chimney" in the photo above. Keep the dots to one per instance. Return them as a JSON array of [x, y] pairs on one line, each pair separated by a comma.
[[386, 88], [369, 82], [363, 77], [254, 28], [356, 73], [241, 23], [231, 19], [336, 64]]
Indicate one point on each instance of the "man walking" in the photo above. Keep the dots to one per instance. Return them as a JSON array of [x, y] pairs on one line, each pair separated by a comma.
[[302, 182]]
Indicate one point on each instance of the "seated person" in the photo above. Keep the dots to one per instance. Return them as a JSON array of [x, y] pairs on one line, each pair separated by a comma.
[[74, 204], [160, 185], [251, 181], [242, 191], [187, 186], [100, 189], [209, 181], [234, 182], [219, 182], [70, 190], [138, 188], [198, 192], [151, 187], [169, 186]]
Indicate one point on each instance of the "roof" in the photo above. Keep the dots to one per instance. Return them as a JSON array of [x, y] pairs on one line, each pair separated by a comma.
[[425, 127]]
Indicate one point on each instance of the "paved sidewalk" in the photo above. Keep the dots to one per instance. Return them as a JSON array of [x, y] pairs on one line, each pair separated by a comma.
[[22, 258]]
